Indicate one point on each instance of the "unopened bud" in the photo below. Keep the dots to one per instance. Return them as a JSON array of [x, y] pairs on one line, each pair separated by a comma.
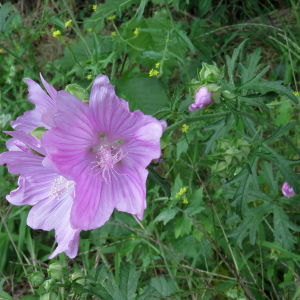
[[211, 73], [55, 271], [220, 168], [49, 296], [49, 285], [78, 91], [77, 275], [36, 278]]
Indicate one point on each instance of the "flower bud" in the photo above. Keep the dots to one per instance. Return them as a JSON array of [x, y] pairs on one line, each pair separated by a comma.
[[49, 296], [233, 156], [49, 285], [36, 278], [220, 168], [77, 275], [244, 146], [78, 91], [202, 98], [211, 73], [287, 190], [55, 271]]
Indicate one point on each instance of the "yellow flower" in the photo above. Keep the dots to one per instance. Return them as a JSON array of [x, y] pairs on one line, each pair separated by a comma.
[[90, 29], [112, 18], [113, 33], [153, 72], [68, 23], [132, 237], [181, 192], [89, 76], [136, 31], [95, 7], [296, 93], [185, 200], [185, 128], [157, 65], [1, 50], [57, 34]]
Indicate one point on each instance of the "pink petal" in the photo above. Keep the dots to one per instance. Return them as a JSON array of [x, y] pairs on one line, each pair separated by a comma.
[[50, 89]]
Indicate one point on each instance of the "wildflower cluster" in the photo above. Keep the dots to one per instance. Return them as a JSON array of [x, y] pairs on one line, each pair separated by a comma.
[[185, 128], [111, 18], [68, 23], [154, 72], [181, 192], [79, 162], [57, 33]]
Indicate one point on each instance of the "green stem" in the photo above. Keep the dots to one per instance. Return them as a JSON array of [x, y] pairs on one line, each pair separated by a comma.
[[194, 119]]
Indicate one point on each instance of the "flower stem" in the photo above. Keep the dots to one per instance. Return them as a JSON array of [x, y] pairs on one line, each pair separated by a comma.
[[194, 119]]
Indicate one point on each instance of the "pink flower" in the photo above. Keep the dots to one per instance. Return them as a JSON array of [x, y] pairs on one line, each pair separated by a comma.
[[202, 98], [287, 190], [49, 193], [44, 110], [105, 149]]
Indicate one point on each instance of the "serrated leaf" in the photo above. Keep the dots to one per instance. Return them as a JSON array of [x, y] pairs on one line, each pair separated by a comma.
[[249, 72], [147, 293], [220, 129], [144, 93], [282, 226], [183, 226], [4, 12], [159, 180], [231, 61], [284, 253], [267, 173], [166, 215], [163, 286], [250, 225], [128, 280], [280, 132], [270, 86], [283, 165], [244, 179]]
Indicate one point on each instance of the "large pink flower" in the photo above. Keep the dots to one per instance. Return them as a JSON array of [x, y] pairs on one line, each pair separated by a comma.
[[105, 149], [44, 110], [48, 192]]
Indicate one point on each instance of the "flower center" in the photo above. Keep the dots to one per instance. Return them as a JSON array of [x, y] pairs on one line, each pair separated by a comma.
[[61, 185], [107, 156]]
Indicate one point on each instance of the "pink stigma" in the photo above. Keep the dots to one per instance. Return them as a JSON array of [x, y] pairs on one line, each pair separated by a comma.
[[107, 157]]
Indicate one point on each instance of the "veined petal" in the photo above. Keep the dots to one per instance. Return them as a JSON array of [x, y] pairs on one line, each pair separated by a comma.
[[29, 140], [32, 119], [72, 138], [143, 147], [50, 89]]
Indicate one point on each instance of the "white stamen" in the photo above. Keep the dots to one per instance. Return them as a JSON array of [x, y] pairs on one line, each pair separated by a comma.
[[61, 185]]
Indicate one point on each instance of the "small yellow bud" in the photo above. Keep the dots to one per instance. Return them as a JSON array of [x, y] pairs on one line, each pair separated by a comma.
[[157, 65], [153, 73], [112, 18], [69, 23], [185, 200], [53, 29], [136, 31], [272, 250], [89, 76], [133, 237], [296, 93], [113, 33], [57, 34], [95, 7], [90, 29], [185, 128], [1, 51]]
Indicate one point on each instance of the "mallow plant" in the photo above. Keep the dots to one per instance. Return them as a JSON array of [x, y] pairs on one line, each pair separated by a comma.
[[80, 157]]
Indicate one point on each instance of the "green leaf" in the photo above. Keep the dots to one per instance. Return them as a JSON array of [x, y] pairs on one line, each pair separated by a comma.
[[2, 282], [267, 173], [231, 61], [57, 22], [195, 202], [112, 5], [128, 280], [159, 180], [183, 226], [280, 132], [4, 12], [220, 129], [250, 225], [270, 86], [283, 165], [282, 226], [244, 179], [144, 93], [284, 253], [166, 215], [182, 147], [141, 9], [146, 294], [186, 39], [252, 66], [163, 286]]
